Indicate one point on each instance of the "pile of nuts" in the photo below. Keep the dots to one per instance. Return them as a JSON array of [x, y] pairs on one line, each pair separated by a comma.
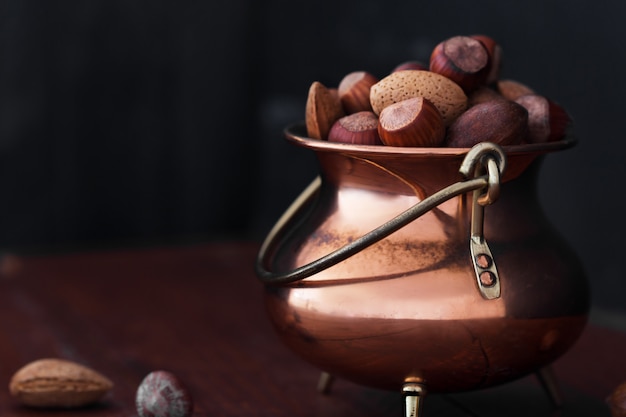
[[457, 100]]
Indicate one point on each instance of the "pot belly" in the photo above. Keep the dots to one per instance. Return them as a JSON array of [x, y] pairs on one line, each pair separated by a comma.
[[382, 333]]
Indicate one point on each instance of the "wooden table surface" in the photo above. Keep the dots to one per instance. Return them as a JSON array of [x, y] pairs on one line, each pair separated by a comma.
[[197, 311]]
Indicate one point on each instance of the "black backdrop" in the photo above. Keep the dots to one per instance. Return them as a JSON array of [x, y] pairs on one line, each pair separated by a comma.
[[144, 122]]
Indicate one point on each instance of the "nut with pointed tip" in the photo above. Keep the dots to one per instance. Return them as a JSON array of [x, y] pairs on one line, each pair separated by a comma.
[[462, 59], [58, 383], [444, 93], [494, 50], [547, 121], [322, 109], [502, 122], [354, 91], [162, 394], [512, 89], [359, 128], [412, 122]]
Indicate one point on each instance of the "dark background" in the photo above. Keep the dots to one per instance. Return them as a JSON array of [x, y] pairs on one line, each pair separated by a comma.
[[151, 122]]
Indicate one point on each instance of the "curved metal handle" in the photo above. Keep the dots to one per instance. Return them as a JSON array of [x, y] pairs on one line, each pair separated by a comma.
[[477, 156]]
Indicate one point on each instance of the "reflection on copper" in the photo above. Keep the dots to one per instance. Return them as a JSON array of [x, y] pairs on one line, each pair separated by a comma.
[[408, 307]]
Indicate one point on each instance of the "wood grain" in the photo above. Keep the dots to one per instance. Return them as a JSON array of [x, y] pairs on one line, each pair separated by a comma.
[[198, 312]]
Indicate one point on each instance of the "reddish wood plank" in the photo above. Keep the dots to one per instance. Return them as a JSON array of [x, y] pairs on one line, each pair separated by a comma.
[[198, 312]]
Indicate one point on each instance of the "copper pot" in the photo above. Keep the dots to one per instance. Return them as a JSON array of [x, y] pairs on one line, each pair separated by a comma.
[[435, 281]]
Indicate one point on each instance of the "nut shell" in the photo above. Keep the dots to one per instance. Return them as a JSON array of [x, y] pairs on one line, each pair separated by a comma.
[[617, 401], [162, 394], [412, 122], [503, 122], [462, 59], [359, 128], [58, 383], [547, 121], [410, 65], [511, 89], [494, 50], [322, 109], [445, 94], [354, 91]]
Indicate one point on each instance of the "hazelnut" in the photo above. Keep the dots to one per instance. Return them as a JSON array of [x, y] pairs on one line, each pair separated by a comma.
[[494, 50], [412, 122], [162, 394], [503, 122], [547, 121], [511, 89], [462, 59], [354, 91], [323, 108], [444, 93], [617, 401], [359, 128], [410, 65], [483, 94]]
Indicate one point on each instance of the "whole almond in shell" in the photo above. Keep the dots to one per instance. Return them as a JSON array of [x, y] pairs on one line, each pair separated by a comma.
[[323, 108], [58, 383], [444, 93]]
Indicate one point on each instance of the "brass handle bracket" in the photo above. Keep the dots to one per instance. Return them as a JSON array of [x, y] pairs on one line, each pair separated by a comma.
[[492, 161]]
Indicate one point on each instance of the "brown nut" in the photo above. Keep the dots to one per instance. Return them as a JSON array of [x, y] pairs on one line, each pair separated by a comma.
[[162, 394], [462, 59], [444, 93], [617, 401], [359, 128], [58, 383], [547, 121], [503, 122], [354, 91], [494, 50], [412, 122], [483, 94], [410, 65], [511, 89], [322, 109]]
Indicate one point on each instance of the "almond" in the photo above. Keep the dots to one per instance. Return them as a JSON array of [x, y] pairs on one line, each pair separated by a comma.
[[323, 109], [58, 383], [444, 93]]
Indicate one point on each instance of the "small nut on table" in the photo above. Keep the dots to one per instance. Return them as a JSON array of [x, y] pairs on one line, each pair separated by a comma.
[[162, 394], [58, 383]]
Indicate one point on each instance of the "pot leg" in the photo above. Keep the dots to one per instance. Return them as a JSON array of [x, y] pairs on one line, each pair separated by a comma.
[[413, 399], [549, 383], [325, 383]]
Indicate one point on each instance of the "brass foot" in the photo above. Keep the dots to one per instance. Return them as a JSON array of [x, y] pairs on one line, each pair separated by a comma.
[[325, 383], [549, 383], [413, 399]]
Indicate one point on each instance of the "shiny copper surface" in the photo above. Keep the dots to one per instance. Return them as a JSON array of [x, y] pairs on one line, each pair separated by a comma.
[[408, 308]]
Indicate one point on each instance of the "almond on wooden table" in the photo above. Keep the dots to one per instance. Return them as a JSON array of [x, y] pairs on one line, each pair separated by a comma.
[[58, 383]]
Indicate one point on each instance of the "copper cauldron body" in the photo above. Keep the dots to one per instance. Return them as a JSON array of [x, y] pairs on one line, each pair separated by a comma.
[[408, 308]]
